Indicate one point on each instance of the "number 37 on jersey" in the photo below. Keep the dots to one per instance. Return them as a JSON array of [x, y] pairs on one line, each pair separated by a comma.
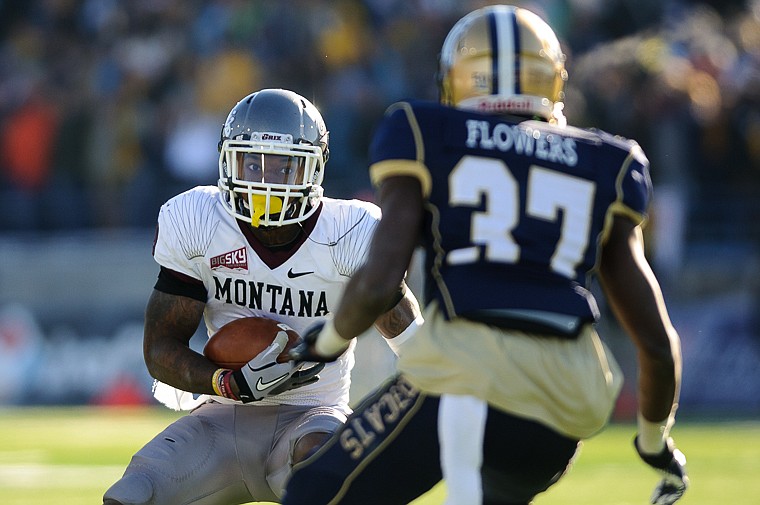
[[489, 187]]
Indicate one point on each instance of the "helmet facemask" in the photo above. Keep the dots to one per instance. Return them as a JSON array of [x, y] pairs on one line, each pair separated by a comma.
[[270, 183], [272, 153]]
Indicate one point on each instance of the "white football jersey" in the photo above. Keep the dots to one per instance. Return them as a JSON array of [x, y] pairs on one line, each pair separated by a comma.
[[199, 238]]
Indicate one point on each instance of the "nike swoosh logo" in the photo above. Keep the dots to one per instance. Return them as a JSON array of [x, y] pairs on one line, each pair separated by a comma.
[[293, 275], [263, 386]]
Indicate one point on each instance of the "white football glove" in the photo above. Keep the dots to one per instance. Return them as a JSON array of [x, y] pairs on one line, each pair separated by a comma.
[[263, 376], [671, 465]]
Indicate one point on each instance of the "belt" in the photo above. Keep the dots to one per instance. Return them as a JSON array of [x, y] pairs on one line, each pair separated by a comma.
[[538, 322]]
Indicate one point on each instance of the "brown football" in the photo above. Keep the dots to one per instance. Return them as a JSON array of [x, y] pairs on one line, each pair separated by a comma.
[[238, 341]]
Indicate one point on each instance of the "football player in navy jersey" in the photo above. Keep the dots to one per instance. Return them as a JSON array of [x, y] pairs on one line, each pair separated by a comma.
[[517, 211]]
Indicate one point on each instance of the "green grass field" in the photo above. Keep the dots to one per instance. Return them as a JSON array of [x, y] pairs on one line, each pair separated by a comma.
[[69, 456]]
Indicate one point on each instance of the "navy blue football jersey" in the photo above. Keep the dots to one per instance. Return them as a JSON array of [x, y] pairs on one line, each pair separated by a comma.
[[516, 209]]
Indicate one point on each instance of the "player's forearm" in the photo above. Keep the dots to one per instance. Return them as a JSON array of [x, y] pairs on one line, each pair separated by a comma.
[[373, 287], [365, 303], [362, 305], [182, 368], [392, 250], [658, 389], [659, 362], [635, 298], [170, 322]]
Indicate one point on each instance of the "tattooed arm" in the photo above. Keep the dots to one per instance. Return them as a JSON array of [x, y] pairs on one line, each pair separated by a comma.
[[170, 323], [392, 323]]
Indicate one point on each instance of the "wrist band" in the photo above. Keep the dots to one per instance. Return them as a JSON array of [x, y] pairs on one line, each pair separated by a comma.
[[329, 342], [215, 381], [396, 342], [652, 435], [224, 385]]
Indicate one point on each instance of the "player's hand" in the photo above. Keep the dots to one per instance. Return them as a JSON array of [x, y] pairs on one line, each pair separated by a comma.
[[671, 465], [305, 350], [263, 376]]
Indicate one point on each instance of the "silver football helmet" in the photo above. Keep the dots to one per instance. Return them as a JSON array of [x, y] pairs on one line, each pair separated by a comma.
[[503, 59], [272, 154]]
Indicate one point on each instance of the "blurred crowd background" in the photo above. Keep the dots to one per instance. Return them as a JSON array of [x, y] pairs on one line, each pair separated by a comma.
[[109, 107]]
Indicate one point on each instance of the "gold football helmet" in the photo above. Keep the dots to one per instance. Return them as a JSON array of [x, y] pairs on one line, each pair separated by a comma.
[[503, 59]]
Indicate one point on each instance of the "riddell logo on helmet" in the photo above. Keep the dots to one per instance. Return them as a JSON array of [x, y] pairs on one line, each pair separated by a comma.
[[509, 105], [234, 260]]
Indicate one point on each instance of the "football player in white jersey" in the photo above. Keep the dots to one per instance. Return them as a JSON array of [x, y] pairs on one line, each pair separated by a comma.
[[264, 242]]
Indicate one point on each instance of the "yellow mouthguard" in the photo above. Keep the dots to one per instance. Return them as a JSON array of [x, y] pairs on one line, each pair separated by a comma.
[[260, 207]]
